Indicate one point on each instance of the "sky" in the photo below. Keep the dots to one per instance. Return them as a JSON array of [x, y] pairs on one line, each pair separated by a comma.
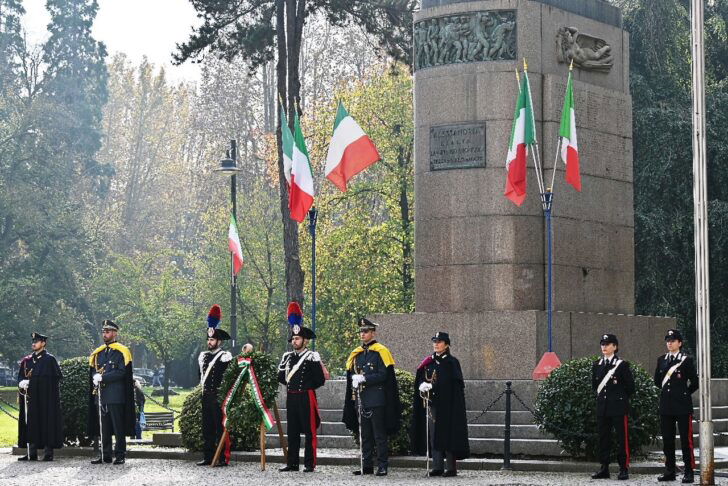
[[134, 27]]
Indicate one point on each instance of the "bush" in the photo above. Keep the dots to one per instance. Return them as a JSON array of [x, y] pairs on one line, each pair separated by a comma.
[[243, 417], [74, 401], [399, 443], [566, 408]]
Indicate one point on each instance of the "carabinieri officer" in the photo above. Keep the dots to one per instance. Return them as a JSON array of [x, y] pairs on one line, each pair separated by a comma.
[[301, 372], [613, 383], [677, 379]]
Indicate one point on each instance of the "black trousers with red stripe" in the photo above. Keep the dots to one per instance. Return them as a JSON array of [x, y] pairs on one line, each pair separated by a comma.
[[604, 429], [685, 427], [301, 416]]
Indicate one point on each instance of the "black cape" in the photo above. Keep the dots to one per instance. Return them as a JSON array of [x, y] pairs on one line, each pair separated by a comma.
[[392, 407], [45, 421], [129, 402], [451, 425]]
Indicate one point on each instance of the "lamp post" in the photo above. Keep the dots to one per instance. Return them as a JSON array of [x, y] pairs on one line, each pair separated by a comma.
[[228, 166], [312, 218]]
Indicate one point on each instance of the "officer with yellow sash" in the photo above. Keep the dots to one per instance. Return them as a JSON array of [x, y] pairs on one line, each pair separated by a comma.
[[371, 382], [111, 395]]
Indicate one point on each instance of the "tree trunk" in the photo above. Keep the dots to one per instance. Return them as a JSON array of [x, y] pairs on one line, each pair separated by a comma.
[[294, 273], [404, 206], [167, 367]]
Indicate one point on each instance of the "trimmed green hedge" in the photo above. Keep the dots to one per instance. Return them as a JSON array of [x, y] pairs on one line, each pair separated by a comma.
[[566, 408], [74, 401], [243, 417]]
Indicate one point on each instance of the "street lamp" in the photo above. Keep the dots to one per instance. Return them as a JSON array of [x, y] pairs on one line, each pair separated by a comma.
[[228, 166]]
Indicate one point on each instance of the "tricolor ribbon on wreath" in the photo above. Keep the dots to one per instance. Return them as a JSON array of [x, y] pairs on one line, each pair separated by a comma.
[[246, 369]]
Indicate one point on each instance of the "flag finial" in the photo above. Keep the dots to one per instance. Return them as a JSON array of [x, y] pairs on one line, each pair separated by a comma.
[[525, 64], [518, 78], [571, 66]]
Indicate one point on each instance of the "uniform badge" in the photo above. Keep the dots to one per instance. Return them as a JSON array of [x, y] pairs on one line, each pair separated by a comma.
[[296, 329], [210, 332], [614, 381], [605, 337]]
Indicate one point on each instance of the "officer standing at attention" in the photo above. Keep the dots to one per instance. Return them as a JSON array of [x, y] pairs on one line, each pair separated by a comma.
[[370, 371], [39, 379], [301, 372], [112, 378], [677, 379], [613, 383], [213, 364]]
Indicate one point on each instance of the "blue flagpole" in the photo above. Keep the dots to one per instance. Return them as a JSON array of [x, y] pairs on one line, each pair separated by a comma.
[[312, 217], [548, 198]]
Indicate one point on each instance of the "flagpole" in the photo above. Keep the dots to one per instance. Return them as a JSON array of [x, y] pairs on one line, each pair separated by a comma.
[[233, 277], [312, 218], [700, 202]]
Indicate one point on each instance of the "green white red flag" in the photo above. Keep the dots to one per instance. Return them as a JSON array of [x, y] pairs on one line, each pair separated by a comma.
[[287, 138], [300, 194], [234, 245], [523, 134], [350, 151], [567, 132]]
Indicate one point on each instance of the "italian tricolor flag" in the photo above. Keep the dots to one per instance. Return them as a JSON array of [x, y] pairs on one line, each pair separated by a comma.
[[234, 245], [523, 134], [287, 138], [300, 194], [567, 132], [350, 151]]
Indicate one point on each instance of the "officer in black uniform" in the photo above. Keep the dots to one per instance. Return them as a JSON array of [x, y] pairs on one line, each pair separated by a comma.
[[677, 379], [111, 368], [613, 383], [301, 371], [370, 371], [39, 379], [213, 364]]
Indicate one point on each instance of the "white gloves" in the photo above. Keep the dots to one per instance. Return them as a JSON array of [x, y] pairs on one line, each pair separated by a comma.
[[97, 379], [357, 380], [425, 387], [24, 384]]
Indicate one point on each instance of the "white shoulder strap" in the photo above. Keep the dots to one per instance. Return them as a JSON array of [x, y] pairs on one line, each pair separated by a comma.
[[303, 358], [608, 376], [209, 368], [672, 370]]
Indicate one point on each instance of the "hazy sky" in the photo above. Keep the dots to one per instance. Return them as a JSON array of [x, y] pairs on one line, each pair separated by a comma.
[[135, 27]]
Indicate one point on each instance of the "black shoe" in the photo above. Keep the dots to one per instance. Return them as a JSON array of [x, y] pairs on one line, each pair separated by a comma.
[[450, 474], [667, 476], [436, 472], [623, 474], [603, 473], [288, 469], [221, 464], [367, 470], [47, 458], [25, 458], [204, 462], [381, 471], [119, 460], [688, 477], [307, 469], [99, 461]]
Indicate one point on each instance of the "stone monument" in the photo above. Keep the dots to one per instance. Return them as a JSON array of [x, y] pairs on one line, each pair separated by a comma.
[[480, 260]]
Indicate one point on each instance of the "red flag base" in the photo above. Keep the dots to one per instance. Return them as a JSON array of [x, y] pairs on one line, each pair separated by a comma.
[[549, 362]]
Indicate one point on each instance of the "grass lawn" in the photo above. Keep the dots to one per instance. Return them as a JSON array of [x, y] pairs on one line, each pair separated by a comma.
[[9, 427]]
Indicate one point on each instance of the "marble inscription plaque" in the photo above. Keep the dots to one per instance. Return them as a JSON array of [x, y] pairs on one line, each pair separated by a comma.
[[459, 146]]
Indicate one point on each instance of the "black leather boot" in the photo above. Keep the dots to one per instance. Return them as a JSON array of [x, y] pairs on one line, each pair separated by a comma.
[[603, 472]]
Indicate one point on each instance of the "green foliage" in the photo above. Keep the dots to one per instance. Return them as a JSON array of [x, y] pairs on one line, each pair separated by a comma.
[[566, 408], [243, 417], [74, 401]]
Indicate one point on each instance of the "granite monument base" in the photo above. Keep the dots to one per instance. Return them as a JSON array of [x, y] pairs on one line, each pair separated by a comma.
[[507, 345]]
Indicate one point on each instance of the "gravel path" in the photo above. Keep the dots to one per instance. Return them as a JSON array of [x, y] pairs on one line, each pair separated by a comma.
[[173, 472]]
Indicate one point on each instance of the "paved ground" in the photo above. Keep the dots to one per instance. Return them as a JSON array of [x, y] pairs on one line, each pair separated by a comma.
[[71, 471]]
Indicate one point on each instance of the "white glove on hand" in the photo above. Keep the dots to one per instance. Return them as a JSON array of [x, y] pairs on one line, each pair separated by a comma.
[[425, 387], [97, 379], [24, 384], [357, 380]]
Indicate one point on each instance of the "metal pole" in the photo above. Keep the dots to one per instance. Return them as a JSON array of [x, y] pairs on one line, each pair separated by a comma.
[[233, 277], [702, 289], [312, 217], [507, 431], [548, 198]]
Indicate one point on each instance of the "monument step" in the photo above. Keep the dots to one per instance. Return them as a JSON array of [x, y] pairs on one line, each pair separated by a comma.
[[518, 417]]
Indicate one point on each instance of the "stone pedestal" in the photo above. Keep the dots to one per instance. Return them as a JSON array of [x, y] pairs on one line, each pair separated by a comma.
[[480, 260]]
